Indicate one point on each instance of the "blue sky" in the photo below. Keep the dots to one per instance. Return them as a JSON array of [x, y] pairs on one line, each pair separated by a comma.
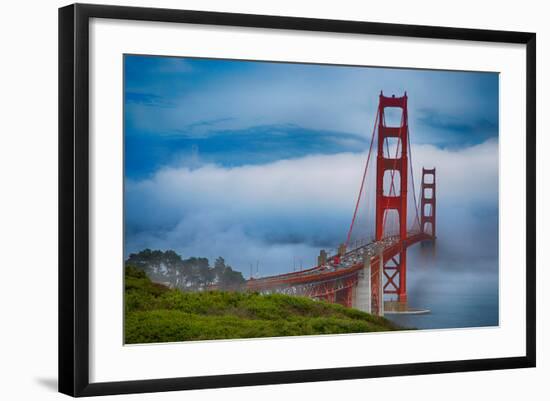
[[259, 161], [234, 112]]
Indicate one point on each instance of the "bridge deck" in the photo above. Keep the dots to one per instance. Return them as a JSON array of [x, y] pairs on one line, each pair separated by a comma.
[[349, 263]]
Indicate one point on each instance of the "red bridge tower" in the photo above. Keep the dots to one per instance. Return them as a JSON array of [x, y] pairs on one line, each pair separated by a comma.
[[427, 202], [393, 199]]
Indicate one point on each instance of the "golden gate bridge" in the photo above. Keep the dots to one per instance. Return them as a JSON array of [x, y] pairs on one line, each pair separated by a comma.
[[362, 272]]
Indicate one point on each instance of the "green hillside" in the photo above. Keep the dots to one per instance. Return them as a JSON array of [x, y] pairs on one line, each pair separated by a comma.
[[155, 313]]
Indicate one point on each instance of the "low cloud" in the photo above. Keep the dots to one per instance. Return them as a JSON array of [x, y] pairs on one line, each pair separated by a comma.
[[281, 213]]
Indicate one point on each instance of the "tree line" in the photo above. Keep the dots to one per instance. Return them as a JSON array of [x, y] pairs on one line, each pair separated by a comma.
[[192, 274]]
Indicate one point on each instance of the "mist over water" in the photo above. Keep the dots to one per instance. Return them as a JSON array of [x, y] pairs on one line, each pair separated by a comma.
[[457, 295]]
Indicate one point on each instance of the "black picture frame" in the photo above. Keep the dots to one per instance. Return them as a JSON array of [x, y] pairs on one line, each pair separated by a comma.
[[74, 198]]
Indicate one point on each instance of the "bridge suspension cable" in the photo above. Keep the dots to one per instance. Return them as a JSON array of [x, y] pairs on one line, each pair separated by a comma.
[[364, 178], [412, 178]]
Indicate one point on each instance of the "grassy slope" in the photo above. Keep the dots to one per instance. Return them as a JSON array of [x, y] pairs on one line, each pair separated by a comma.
[[157, 314]]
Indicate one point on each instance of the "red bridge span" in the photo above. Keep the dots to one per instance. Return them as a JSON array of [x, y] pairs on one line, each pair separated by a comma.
[[362, 272]]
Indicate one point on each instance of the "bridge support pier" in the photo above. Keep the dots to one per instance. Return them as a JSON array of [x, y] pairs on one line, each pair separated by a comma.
[[368, 294], [362, 296], [377, 286]]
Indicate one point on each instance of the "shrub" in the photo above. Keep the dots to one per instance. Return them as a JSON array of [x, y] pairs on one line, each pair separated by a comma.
[[155, 313]]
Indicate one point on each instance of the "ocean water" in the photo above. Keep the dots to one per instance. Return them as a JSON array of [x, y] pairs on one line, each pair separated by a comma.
[[458, 294]]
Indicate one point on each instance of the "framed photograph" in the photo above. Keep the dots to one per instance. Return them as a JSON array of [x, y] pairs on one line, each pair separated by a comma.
[[251, 199]]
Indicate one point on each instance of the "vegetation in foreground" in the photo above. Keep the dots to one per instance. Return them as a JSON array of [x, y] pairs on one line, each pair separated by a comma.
[[156, 313]]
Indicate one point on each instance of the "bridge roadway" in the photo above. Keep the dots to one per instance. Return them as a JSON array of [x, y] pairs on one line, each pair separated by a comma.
[[349, 264]]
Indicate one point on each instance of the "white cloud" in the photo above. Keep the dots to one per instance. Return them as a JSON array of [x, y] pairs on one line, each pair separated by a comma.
[[275, 212]]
